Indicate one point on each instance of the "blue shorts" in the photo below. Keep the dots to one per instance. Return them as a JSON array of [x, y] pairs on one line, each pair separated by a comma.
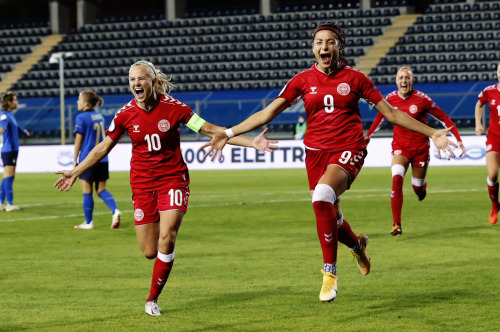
[[10, 158], [98, 173]]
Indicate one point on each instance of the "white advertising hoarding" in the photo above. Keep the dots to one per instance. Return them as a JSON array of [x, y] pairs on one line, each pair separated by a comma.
[[51, 158]]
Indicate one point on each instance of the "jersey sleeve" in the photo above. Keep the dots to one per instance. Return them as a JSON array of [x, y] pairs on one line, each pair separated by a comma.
[[117, 128], [369, 91], [292, 91], [79, 124], [440, 115], [377, 123], [483, 97], [4, 121]]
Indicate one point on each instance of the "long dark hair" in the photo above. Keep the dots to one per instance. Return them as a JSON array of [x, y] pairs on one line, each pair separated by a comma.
[[340, 35]]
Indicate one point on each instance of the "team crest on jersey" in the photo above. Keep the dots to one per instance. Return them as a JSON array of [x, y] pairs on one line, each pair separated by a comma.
[[313, 90], [413, 109], [343, 89], [138, 214], [163, 125], [494, 102], [136, 129]]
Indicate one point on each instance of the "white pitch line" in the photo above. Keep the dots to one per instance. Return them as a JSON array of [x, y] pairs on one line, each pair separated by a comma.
[[384, 192]]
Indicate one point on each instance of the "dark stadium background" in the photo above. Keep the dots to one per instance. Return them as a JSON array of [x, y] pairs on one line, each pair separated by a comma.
[[228, 60]]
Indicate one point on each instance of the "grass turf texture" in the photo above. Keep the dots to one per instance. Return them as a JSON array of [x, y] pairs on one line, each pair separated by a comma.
[[248, 258]]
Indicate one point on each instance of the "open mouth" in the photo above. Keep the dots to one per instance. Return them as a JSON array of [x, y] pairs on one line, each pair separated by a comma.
[[139, 92], [326, 58]]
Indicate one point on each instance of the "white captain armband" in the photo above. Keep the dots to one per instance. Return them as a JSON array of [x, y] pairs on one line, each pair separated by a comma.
[[195, 123]]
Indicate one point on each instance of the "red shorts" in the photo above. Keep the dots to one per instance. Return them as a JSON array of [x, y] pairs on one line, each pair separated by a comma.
[[492, 145], [418, 158], [148, 204], [317, 161]]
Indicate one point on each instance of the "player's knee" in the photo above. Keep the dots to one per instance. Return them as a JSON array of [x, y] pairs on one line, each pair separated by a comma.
[[150, 253], [417, 182], [398, 170], [324, 193]]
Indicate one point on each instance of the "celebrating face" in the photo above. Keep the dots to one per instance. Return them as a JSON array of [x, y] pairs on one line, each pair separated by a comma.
[[404, 81], [141, 84], [326, 50]]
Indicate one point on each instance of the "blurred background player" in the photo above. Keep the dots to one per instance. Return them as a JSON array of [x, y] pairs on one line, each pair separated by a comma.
[[409, 147], [491, 95], [158, 174], [10, 149], [89, 129], [300, 128], [335, 146]]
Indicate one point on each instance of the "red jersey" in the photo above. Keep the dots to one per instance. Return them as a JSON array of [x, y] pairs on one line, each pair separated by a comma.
[[156, 151], [491, 95], [418, 105], [331, 102]]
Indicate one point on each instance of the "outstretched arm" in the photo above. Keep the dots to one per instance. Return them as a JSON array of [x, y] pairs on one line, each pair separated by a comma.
[[220, 136], [68, 178], [402, 119]]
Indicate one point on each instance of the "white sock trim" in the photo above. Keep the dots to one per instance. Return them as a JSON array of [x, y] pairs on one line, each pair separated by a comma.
[[166, 258], [398, 170], [491, 183], [324, 193], [417, 182], [340, 221]]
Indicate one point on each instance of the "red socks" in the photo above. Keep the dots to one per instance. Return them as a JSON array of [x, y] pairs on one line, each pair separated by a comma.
[[493, 191], [326, 224], [347, 236], [161, 271], [397, 198]]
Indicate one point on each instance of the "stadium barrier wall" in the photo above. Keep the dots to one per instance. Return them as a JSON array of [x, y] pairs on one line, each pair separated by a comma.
[[51, 158]]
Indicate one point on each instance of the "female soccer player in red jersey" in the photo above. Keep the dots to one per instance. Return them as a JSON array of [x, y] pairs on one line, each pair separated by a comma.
[[158, 174], [491, 95], [335, 146], [409, 147]]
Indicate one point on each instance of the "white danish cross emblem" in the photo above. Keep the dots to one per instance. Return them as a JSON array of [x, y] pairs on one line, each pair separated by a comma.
[[343, 89], [163, 125], [413, 109]]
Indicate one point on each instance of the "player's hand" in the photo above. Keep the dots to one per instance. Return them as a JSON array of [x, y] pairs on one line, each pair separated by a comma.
[[461, 146], [218, 142], [66, 181], [367, 139], [263, 144], [28, 133], [443, 143], [479, 129]]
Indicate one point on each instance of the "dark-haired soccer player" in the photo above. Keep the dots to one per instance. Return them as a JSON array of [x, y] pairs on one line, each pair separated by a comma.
[[409, 147], [89, 129], [491, 95], [158, 174], [335, 146]]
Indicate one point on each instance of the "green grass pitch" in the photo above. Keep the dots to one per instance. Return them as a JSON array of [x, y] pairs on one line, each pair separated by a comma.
[[248, 258]]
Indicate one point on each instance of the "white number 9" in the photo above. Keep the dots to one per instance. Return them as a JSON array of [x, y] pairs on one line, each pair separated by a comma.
[[329, 103]]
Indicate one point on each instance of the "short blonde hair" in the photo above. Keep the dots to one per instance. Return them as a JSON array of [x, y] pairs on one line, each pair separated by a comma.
[[164, 85]]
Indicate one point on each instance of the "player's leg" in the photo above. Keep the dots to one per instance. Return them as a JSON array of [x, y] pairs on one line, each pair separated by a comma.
[[334, 182], [419, 164], [8, 187], [399, 166], [102, 175], [357, 243], [492, 163], [88, 205]]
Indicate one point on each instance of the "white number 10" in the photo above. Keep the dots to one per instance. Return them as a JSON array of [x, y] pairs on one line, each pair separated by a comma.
[[154, 142]]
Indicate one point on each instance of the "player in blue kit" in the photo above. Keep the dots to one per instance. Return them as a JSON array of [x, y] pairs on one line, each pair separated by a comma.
[[89, 129], [10, 149]]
